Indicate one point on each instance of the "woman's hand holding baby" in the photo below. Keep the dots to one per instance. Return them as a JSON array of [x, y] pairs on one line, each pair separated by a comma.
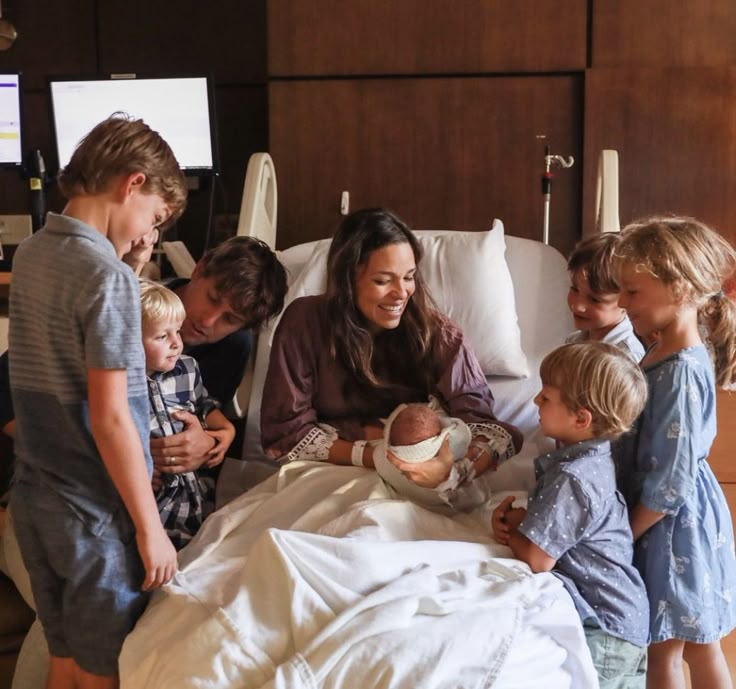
[[427, 474], [506, 519]]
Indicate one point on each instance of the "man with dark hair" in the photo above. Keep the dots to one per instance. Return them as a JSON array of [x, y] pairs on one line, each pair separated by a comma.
[[234, 289]]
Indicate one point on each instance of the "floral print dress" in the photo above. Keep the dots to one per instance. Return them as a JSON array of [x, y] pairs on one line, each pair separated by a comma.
[[687, 559]]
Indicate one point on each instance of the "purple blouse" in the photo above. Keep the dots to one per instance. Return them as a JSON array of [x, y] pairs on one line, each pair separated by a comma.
[[309, 395]]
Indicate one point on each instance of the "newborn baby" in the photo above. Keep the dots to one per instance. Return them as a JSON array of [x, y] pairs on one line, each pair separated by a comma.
[[414, 433]]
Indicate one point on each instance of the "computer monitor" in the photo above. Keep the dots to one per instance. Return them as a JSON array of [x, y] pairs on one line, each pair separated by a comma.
[[11, 143], [181, 109]]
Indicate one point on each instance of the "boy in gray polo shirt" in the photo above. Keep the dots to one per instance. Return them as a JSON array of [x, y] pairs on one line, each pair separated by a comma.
[[85, 514], [577, 524]]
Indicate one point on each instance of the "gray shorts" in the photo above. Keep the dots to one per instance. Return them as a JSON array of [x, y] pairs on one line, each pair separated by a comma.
[[619, 664], [87, 588]]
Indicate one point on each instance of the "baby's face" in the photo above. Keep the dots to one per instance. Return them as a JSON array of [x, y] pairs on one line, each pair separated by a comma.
[[162, 345]]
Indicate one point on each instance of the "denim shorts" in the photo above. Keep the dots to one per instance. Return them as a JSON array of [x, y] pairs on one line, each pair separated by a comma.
[[87, 588], [619, 664]]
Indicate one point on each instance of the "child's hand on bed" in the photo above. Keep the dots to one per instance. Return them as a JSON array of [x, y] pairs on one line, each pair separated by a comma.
[[427, 474], [158, 556], [506, 519]]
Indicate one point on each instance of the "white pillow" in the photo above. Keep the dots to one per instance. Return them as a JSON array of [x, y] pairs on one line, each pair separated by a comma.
[[468, 278]]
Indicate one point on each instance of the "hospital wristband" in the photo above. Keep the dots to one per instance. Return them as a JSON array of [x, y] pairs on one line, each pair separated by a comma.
[[493, 458], [356, 454]]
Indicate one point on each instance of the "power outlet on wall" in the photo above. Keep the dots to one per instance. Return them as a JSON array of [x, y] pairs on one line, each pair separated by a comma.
[[15, 228]]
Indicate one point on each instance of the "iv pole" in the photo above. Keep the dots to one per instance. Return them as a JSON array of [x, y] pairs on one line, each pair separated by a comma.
[[549, 162]]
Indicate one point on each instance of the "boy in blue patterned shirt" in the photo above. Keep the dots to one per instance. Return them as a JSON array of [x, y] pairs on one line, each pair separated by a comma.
[[577, 524], [184, 498], [85, 516], [593, 296]]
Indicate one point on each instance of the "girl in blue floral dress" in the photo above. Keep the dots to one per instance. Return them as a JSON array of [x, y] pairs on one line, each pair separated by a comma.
[[672, 270]]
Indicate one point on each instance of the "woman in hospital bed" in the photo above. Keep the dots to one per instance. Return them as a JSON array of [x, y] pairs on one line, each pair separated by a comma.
[[319, 576], [342, 360]]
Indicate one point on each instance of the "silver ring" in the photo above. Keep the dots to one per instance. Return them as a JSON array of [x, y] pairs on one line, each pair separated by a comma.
[[172, 461]]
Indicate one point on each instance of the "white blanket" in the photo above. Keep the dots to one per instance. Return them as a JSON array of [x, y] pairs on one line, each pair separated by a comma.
[[317, 579]]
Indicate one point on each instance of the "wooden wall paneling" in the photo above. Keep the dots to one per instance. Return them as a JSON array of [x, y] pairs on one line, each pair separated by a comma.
[[226, 38], [334, 37], [663, 33], [242, 130], [445, 153], [53, 38], [721, 458], [675, 131]]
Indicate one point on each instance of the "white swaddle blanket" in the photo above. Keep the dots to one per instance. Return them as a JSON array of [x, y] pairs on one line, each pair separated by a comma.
[[458, 435]]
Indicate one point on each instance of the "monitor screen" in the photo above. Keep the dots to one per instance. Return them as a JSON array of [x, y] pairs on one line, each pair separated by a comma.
[[11, 150], [180, 109]]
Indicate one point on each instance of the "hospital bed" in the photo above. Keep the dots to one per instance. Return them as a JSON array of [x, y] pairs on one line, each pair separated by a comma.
[[319, 576]]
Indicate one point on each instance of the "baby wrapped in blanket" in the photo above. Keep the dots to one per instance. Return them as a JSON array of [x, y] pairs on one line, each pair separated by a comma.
[[414, 433]]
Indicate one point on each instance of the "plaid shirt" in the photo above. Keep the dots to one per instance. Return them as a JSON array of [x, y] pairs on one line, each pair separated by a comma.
[[175, 390], [184, 500]]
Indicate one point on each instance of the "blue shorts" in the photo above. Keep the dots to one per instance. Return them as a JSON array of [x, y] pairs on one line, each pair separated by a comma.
[[87, 588]]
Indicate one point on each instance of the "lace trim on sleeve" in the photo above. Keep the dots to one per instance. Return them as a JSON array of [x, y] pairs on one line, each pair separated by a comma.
[[314, 446], [499, 439]]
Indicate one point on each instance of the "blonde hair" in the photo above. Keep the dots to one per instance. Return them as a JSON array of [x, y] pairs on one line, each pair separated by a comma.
[[122, 145], [601, 378], [694, 262], [594, 258], [160, 304]]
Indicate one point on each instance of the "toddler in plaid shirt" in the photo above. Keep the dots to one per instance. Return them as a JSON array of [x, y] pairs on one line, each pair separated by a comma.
[[174, 383]]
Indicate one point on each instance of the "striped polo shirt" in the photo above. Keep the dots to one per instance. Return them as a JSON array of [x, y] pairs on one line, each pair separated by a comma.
[[73, 306]]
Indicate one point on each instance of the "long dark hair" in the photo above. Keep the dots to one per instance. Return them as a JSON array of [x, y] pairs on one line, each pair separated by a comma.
[[351, 342]]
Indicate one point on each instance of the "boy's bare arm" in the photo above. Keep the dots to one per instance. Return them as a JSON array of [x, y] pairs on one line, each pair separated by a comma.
[[122, 453], [530, 553]]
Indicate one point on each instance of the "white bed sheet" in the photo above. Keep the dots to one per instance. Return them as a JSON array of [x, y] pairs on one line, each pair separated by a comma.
[[316, 578]]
